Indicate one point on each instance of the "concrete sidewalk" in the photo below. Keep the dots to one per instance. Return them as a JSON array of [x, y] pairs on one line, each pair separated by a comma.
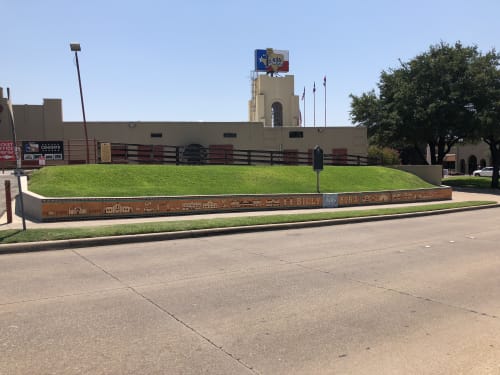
[[458, 196], [461, 195]]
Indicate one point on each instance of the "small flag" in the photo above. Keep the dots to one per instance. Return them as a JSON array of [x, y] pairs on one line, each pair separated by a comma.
[[314, 88], [304, 93], [324, 81]]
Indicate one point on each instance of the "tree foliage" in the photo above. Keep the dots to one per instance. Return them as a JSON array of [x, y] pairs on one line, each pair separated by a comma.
[[487, 107], [429, 100], [383, 155]]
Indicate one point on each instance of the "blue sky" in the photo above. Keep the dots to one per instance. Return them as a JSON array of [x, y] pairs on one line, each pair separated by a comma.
[[190, 60]]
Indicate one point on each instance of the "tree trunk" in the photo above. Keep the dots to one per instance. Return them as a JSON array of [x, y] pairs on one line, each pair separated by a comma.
[[441, 150], [418, 150], [495, 159]]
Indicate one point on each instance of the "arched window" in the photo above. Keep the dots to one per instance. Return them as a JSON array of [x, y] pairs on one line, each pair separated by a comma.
[[472, 164], [277, 114]]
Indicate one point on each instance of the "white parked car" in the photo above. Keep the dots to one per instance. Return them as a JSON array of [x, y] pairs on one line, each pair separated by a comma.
[[485, 172]]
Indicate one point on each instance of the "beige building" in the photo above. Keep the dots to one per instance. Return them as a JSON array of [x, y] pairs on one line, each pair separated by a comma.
[[465, 158], [274, 124], [273, 101]]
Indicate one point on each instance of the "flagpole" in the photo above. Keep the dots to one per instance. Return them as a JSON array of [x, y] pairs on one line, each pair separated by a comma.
[[304, 100], [314, 101], [324, 84]]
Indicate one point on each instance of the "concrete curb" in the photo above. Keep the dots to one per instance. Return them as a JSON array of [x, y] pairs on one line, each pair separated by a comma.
[[166, 236]]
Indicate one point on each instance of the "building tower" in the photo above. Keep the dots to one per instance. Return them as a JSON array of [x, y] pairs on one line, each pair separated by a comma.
[[4, 119], [273, 102]]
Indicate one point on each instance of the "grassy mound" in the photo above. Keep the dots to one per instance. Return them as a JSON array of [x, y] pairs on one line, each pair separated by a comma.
[[100, 180]]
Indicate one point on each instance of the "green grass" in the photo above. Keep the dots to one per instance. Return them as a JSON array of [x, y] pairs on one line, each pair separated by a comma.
[[468, 182], [36, 235], [149, 180]]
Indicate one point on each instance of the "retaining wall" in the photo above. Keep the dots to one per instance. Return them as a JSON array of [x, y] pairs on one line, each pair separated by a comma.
[[432, 174], [41, 208]]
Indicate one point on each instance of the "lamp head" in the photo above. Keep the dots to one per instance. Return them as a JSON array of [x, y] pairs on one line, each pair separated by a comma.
[[75, 47]]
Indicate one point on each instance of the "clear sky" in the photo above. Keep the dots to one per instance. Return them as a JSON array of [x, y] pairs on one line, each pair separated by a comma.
[[191, 60]]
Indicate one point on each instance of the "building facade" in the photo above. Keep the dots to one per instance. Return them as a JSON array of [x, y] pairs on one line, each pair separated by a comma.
[[274, 124], [465, 158], [274, 102]]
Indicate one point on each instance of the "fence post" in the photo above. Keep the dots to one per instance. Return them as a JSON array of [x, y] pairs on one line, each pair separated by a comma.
[[8, 203], [249, 157], [177, 161]]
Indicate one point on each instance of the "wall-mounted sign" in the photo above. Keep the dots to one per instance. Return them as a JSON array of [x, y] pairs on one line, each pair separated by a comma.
[[50, 150], [7, 151], [271, 60], [105, 152]]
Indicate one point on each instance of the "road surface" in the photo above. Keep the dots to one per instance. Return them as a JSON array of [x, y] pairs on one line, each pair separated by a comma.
[[411, 296]]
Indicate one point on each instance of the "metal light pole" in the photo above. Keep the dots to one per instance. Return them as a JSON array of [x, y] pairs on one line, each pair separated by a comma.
[[18, 171], [76, 48]]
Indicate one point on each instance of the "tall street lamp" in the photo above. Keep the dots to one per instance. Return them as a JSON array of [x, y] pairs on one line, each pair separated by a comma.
[[76, 48]]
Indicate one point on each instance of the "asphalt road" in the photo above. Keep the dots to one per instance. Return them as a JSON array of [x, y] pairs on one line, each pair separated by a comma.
[[411, 296]]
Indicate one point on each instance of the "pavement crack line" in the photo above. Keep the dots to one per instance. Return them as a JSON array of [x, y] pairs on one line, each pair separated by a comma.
[[346, 254], [90, 292], [199, 334], [408, 294], [171, 315], [403, 293], [100, 268]]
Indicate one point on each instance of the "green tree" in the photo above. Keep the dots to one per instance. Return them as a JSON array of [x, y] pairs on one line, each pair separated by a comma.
[[487, 106], [383, 155], [426, 101]]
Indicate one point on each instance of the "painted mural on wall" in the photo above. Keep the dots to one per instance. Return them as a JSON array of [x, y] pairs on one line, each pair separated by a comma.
[[386, 197], [66, 209], [101, 207]]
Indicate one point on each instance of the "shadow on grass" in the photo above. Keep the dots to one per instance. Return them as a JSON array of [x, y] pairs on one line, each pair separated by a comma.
[[474, 189], [6, 234], [471, 184]]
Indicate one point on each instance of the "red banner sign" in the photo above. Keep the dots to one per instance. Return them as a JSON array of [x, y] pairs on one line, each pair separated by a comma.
[[7, 151]]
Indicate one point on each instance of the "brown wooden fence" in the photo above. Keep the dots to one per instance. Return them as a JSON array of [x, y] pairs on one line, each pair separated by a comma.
[[75, 152], [226, 155]]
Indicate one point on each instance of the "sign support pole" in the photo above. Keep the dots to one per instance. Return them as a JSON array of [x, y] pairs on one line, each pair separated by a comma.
[[18, 171], [317, 163]]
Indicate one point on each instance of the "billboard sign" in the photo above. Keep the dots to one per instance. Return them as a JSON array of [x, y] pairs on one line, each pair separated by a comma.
[[32, 150], [271, 60], [7, 151]]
